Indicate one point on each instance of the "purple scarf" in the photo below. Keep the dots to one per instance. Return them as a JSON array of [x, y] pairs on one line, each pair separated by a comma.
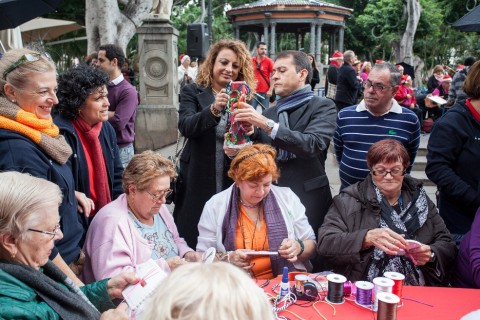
[[276, 228]]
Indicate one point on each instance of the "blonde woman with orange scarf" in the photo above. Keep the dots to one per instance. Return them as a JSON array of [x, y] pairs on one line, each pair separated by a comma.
[[31, 143]]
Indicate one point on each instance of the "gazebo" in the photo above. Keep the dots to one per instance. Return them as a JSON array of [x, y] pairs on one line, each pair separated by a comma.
[[271, 17]]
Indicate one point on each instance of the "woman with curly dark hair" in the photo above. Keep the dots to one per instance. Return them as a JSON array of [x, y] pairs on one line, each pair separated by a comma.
[[203, 121], [81, 115]]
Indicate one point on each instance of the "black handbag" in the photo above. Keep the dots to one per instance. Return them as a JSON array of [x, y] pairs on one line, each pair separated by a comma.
[[176, 163]]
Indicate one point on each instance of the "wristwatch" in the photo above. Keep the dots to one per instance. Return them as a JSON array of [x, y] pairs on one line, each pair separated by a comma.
[[269, 124], [432, 257]]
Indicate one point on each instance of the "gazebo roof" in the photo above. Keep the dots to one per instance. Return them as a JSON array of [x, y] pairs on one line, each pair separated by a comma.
[[273, 3], [288, 15]]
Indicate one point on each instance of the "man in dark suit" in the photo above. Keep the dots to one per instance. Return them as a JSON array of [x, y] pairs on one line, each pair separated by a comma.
[[348, 83], [300, 126]]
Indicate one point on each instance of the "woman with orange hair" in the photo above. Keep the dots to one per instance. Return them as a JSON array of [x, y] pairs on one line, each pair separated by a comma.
[[254, 215]]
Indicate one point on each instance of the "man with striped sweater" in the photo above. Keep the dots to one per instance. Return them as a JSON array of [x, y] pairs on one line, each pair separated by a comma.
[[378, 116]]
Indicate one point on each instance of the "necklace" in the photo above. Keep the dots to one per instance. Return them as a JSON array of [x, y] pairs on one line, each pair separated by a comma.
[[214, 92], [253, 233], [246, 205]]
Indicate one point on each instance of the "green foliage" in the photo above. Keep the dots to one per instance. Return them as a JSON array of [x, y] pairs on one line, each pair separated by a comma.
[[371, 32]]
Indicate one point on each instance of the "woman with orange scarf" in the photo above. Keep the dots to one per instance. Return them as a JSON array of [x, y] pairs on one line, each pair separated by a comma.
[[30, 142]]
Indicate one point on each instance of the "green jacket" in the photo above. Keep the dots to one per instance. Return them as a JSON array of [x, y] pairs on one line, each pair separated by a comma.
[[18, 301]]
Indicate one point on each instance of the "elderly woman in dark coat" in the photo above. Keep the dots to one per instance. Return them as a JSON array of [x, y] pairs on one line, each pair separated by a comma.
[[82, 119], [387, 223]]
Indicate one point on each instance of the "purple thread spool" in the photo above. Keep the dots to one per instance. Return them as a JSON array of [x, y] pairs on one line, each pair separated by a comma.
[[364, 293]]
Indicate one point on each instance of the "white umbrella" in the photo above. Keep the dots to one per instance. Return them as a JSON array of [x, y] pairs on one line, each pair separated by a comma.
[[46, 29]]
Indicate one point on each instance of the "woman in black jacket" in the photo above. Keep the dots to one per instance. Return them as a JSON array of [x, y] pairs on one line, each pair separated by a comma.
[[82, 119]]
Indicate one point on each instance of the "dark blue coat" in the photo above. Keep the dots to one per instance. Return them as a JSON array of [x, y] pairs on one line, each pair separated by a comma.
[[452, 164], [348, 85], [19, 153], [78, 161]]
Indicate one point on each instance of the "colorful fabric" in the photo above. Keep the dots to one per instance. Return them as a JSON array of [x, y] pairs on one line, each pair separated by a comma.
[[42, 132], [93, 149]]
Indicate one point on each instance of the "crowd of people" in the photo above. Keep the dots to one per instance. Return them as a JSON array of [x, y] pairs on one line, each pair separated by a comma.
[[79, 212]]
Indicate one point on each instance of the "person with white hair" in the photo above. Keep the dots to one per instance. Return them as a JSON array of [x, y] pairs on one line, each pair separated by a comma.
[[208, 291], [184, 72], [33, 287]]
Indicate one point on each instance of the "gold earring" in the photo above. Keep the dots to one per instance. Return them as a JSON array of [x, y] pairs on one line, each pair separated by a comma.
[[12, 256]]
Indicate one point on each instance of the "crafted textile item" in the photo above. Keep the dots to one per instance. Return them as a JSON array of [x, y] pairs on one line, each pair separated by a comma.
[[236, 134], [15, 12]]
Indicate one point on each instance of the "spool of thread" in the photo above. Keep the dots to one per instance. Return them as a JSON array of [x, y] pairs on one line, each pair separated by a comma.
[[335, 288], [387, 306], [300, 280], [364, 293], [398, 279], [382, 284], [347, 288]]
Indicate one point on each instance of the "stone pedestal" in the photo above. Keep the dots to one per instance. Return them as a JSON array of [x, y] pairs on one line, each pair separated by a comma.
[[156, 122]]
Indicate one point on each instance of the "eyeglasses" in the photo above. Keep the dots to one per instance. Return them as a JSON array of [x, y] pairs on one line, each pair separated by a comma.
[[160, 195], [367, 84], [28, 57], [394, 172], [50, 233]]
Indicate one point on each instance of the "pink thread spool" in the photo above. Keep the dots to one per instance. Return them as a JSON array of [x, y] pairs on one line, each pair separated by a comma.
[[347, 288]]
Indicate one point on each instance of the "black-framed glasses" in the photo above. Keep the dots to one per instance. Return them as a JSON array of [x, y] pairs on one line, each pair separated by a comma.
[[28, 57], [394, 172], [52, 233], [367, 84], [160, 195]]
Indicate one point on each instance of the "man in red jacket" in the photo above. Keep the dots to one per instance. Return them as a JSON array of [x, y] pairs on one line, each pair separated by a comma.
[[263, 67]]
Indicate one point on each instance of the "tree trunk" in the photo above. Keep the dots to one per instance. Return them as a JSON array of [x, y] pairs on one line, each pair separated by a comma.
[[203, 14], [106, 23], [403, 51]]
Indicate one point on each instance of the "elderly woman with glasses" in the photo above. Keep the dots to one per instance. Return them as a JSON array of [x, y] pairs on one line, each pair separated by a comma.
[[32, 287], [137, 226], [256, 225], [31, 142], [387, 223]]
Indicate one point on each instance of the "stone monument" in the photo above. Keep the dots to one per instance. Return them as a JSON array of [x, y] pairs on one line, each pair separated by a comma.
[[156, 122]]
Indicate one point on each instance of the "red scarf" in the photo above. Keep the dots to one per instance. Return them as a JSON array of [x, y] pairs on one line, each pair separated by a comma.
[[472, 109], [99, 190]]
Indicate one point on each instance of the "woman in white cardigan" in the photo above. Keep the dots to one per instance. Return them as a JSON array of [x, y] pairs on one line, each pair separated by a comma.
[[254, 215]]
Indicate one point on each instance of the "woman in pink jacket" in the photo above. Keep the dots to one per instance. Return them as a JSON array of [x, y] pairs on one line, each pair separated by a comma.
[[137, 226]]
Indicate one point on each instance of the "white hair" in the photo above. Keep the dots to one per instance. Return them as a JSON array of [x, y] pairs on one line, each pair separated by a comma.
[[198, 291], [22, 196]]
